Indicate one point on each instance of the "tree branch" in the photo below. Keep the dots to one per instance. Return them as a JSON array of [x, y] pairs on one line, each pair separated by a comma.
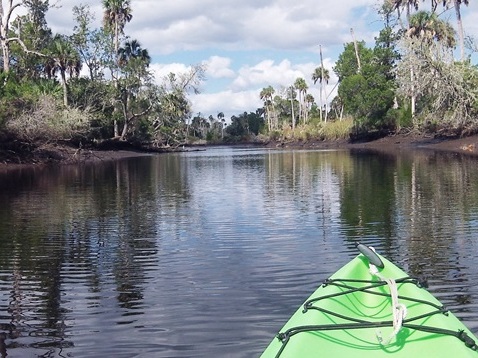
[[24, 47], [133, 115]]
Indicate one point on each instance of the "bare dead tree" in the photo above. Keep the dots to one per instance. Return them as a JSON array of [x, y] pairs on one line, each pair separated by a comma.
[[443, 86]]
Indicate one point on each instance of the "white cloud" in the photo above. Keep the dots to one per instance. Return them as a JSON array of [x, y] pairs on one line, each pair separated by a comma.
[[285, 73], [189, 25], [229, 102], [265, 73], [162, 70], [219, 67], [169, 26]]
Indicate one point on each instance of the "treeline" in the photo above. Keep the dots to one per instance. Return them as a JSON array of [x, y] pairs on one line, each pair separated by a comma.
[[43, 98], [409, 80]]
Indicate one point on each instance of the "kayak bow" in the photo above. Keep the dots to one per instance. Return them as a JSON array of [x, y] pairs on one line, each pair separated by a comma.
[[371, 308]]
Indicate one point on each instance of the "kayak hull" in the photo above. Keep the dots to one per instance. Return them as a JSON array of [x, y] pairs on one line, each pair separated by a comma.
[[349, 314]]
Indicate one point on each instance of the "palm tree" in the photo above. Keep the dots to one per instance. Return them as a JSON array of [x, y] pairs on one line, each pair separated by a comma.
[[117, 14], [63, 59], [132, 50], [461, 35], [408, 5], [434, 4], [134, 61], [322, 75], [266, 95], [309, 101], [220, 117], [302, 88], [421, 26], [292, 99], [428, 27]]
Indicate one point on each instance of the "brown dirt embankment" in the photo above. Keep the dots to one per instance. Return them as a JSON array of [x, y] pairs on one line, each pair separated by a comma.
[[65, 154], [394, 143], [12, 157]]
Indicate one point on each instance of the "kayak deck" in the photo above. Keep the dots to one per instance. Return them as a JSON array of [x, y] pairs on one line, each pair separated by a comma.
[[351, 314]]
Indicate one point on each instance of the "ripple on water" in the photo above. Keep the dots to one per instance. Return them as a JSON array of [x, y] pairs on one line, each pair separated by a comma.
[[206, 254]]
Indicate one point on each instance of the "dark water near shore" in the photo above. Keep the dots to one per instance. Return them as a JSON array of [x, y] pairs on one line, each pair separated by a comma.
[[206, 254]]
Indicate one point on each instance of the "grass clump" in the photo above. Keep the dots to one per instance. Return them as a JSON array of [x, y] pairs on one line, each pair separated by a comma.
[[337, 130], [317, 131]]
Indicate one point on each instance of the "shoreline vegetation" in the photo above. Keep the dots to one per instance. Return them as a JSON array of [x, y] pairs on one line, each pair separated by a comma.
[[406, 91], [65, 153]]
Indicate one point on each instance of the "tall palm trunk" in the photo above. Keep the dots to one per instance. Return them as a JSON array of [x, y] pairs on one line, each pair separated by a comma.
[[300, 106], [291, 89], [460, 29], [359, 67], [304, 107], [125, 105], [413, 97], [321, 101], [64, 87], [322, 87], [115, 75], [268, 114]]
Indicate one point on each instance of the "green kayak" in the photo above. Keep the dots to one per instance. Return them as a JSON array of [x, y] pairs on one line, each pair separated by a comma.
[[371, 308]]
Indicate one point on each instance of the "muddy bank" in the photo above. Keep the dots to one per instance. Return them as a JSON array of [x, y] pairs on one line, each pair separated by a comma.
[[66, 154], [393, 143], [57, 154]]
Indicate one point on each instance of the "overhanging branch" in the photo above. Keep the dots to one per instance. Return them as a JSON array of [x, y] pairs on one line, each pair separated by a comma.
[[24, 47]]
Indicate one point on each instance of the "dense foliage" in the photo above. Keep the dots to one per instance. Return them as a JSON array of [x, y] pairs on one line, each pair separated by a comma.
[[43, 98]]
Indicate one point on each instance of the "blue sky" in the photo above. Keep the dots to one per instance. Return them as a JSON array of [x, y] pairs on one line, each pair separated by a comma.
[[247, 44]]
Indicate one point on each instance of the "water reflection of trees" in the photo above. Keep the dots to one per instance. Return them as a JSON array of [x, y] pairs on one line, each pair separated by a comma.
[[438, 193], [419, 207], [80, 231], [367, 196], [309, 183]]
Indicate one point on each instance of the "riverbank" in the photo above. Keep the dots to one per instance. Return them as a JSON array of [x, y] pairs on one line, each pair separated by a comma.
[[393, 143], [65, 154]]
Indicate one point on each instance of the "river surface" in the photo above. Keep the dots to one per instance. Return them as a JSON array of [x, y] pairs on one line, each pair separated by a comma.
[[207, 254]]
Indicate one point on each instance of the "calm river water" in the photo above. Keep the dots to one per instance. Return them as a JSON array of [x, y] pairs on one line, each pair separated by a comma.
[[206, 254]]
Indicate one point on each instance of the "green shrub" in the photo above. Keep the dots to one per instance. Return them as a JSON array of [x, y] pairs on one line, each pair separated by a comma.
[[275, 135], [403, 116]]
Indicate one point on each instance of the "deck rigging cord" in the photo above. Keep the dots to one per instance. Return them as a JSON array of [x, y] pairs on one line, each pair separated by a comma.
[[355, 323], [399, 310]]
